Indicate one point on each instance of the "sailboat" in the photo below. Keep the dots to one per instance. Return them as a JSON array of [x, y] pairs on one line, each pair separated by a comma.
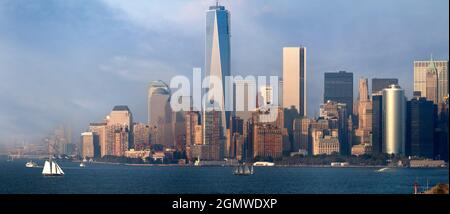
[[243, 169], [51, 168]]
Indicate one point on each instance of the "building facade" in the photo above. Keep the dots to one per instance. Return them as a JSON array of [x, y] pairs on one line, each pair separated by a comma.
[[440, 68], [294, 79], [217, 65], [378, 84], [421, 120], [394, 120], [339, 88]]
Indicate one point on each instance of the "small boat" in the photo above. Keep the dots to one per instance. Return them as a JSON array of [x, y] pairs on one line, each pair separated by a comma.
[[197, 162], [51, 168], [243, 169], [82, 164], [382, 169], [31, 164]]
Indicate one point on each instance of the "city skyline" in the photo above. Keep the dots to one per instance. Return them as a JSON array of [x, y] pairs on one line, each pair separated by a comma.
[[131, 70]]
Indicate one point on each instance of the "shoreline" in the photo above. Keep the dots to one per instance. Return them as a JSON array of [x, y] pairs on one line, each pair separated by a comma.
[[275, 166]]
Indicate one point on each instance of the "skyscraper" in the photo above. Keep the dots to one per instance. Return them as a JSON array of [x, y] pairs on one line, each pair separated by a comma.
[[100, 130], [339, 88], [160, 113], [421, 118], [432, 87], [364, 114], [158, 102], [377, 118], [379, 84], [440, 68], [217, 62], [89, 145], [119, 129], [294, 79], [394, 120]]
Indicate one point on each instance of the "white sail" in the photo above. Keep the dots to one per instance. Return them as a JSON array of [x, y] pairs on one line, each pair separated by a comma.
[[58, 169], [46, 169], [52, 168]]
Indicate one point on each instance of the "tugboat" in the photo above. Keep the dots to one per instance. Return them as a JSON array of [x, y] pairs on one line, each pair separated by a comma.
[[243, 169]]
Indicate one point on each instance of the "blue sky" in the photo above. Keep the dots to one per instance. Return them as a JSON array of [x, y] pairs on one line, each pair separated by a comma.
[[71, 61]]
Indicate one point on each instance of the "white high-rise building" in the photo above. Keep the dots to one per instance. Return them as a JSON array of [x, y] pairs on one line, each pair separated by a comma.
[[294, 79]]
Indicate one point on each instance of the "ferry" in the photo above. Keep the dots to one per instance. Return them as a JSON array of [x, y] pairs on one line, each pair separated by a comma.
[[262, 163], [31, 164]]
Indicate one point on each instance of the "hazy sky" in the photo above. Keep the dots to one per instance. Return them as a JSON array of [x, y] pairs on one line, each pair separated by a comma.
[[71, 61]]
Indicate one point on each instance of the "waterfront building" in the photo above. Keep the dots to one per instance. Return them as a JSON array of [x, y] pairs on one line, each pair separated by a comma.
[[421, 119], [100, 130], [90, 147], [141, 136], [267, 133], [338, 87], [362, 149], [325, 141], [394, 112], [294, 79], [119, 133], [142, 154]]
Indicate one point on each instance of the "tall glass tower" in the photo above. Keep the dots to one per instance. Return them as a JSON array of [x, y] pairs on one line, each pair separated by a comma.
[[217, 62]]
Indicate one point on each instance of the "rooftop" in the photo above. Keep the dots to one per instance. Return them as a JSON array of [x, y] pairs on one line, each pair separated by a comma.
[[121, 108]]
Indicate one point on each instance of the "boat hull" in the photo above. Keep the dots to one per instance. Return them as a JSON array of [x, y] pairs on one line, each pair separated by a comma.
[[53, 175]]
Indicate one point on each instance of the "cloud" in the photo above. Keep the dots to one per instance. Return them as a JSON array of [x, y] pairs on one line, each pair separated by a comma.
[[138, 69]]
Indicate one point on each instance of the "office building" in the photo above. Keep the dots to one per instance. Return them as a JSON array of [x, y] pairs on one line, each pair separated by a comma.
[[339, 88], [378, 84], [90, 147], [421, 120], [440, 68], [294, 79], [217, 64], [377, 123], [364, 114], [141, 136], [394, 119], [160, 113]]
